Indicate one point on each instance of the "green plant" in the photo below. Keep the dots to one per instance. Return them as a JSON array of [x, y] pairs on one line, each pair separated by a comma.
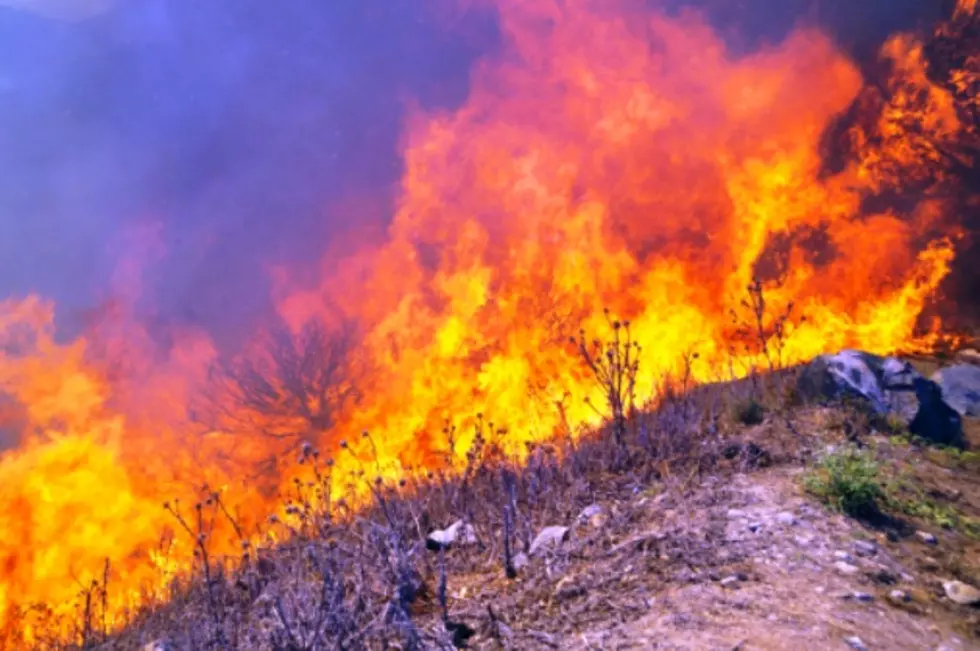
[[902, 440], [908, 497], [847, 481], [954, 458], [893, 425]]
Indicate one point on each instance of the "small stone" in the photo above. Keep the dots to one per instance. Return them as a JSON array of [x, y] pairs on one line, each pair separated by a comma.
[[589, 511], [568, 589], [595, 515], [883, 576], [926, 538], [929, 563], [786, 519], [962, 593], [456, 533], [736, 514], [803, 541], [846, 568], [158, 645], [863, 597], [856, 643], [841, 555], [755, 526], [865, 548], [549, 537], [899, 597], [729, 582], [520, 561], [907, 578]]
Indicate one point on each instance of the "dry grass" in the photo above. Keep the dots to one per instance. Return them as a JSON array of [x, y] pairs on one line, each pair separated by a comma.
[[365, 579], [336, 578]]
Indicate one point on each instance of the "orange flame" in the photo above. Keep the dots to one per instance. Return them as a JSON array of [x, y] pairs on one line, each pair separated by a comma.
[[606, 158], [965, 8]]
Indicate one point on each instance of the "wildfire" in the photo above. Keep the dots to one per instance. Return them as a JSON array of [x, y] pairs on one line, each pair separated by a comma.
[[606, 158]]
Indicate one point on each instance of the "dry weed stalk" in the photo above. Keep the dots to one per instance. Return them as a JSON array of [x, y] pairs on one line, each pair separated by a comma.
[[614, 365]]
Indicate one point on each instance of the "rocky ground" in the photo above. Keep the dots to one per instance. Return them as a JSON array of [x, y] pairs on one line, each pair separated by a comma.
[[746, 563], [709, 537], [747, 559]]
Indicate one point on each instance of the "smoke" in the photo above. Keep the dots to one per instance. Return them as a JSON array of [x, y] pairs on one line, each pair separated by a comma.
[[858, 28], [60, 9], [251, 130], [238, 125]]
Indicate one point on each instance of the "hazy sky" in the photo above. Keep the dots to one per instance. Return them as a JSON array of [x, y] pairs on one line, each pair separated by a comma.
[[238, 124]]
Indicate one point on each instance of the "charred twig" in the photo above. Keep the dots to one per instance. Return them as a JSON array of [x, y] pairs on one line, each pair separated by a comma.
[[614, 365]]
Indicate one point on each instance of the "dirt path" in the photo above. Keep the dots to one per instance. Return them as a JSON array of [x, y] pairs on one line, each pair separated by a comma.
[[789, 575]]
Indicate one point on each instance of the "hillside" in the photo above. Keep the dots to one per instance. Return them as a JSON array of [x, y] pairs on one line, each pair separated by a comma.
[[537, 359], [706, 527]]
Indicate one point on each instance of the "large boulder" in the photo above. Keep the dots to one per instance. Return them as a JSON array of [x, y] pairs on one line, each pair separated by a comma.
[[935, 420], [961, 388], [887, 385]]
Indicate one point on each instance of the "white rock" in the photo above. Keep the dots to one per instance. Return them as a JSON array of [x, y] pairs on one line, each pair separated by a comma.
[[856, 643], [729, 582], [456, 533], [863, 597], [589, 511], [899, 596], [549, 537], [962, 593], [595, 515], [841, 555], [846, 568], [865, 548], [158, 645], [786, 519], [926, 538]]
